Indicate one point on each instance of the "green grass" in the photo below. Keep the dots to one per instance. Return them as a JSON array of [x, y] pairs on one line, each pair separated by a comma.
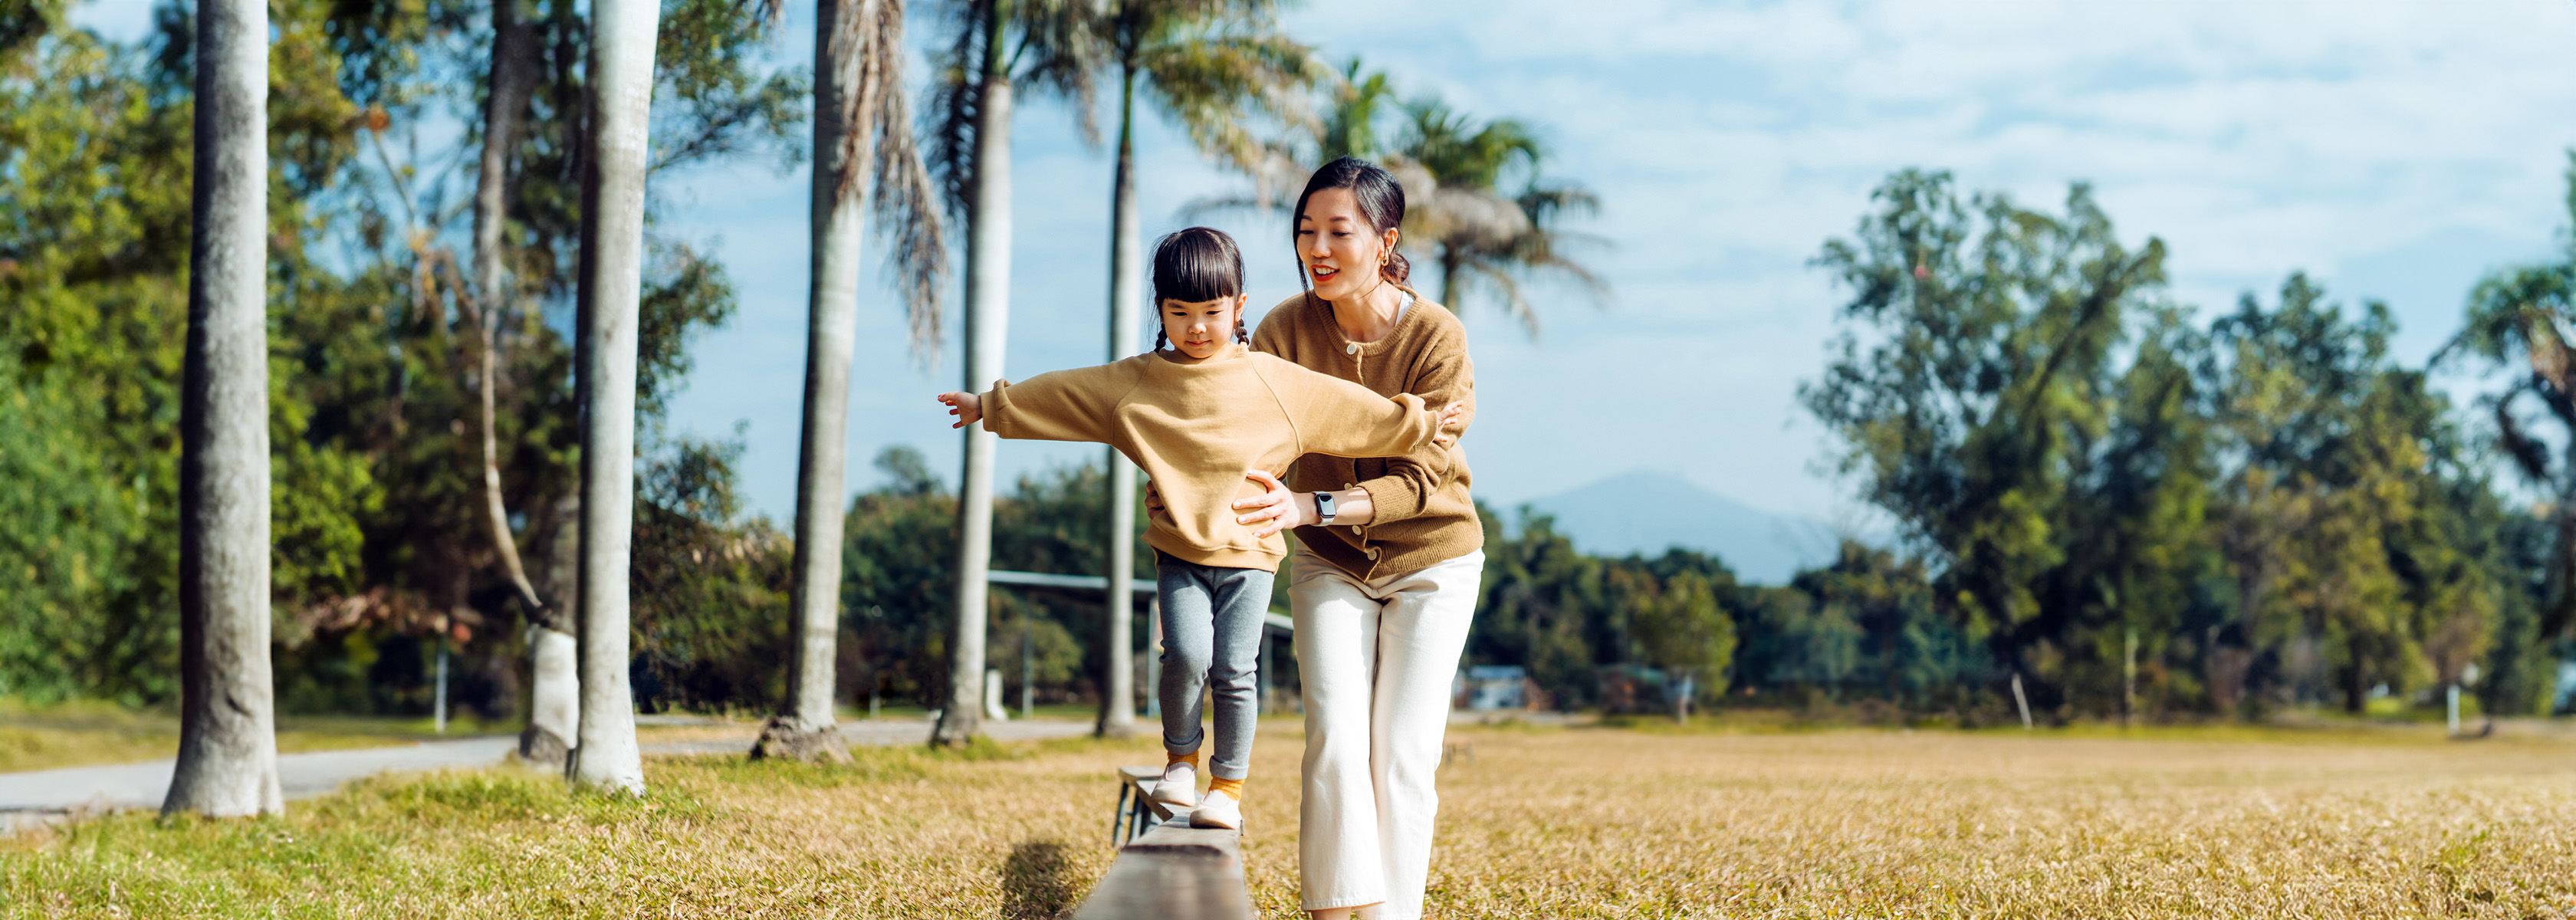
[[83, 733]]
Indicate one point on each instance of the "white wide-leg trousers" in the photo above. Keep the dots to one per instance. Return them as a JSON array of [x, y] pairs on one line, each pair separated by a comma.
[[1377, 659]]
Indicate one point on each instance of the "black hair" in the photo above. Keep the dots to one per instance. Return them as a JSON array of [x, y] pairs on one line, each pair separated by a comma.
[[1196, 265], [1381, 201]]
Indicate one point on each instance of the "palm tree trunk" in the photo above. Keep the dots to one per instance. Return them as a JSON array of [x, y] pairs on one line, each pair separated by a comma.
[[988, 304], [553, 685], [554, 718], [621, 71], [1126, 290], [1449, 264], [804, 728], [228, 730], [511, 83]]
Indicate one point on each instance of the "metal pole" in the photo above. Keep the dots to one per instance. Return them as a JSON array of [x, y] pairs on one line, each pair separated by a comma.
[[439, 707], [1025, 670], [2129, 679]]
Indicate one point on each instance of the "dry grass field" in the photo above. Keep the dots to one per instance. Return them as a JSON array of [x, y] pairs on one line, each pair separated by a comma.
[[1584, 822]]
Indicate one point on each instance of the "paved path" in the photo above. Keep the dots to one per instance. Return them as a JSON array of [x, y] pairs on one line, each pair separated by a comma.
[[882, 733], [35, 797]]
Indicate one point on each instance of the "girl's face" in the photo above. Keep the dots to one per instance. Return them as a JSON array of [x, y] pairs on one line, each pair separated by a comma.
[[1336, 246], [1201, 330]]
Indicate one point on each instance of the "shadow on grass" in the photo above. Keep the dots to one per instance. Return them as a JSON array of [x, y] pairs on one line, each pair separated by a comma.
[[1034, 882]]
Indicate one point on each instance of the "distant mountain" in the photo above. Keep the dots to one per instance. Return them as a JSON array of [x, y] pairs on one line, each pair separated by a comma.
[[1648, 512]]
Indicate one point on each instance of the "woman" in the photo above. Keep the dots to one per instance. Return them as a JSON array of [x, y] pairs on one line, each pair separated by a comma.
[[1389, 554]]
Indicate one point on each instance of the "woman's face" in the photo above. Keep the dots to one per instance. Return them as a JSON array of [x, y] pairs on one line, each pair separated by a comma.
[[1200, 330], [1336, 246]]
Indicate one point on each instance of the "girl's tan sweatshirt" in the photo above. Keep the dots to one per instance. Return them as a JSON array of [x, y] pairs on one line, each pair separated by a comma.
[[1196, 425]]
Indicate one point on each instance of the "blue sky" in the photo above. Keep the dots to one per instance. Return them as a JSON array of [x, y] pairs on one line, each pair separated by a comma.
[[2394, 150]]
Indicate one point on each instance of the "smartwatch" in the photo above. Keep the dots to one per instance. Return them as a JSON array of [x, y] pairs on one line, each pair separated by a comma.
[[1324, 509]]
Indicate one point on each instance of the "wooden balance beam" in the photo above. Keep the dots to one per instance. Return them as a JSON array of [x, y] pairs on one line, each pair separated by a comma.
[[1166, 869]]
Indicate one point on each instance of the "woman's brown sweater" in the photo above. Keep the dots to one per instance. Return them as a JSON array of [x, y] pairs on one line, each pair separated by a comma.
[[1423, 514]]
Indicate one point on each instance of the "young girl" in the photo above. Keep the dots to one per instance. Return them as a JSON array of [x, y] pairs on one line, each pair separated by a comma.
[[1194, 417]]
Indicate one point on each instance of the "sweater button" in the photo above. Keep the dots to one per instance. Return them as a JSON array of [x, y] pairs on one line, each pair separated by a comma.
[[1372, 551], [1351, 349]]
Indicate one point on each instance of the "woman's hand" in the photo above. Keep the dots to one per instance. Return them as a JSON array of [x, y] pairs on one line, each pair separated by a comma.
[[1450, 425], [1272, 511], [967, 407]]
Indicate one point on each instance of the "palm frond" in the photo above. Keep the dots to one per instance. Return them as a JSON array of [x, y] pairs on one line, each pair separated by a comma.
[[1350, 128], [907, 199], [1062, 46], [956, 94], [1210, 84]]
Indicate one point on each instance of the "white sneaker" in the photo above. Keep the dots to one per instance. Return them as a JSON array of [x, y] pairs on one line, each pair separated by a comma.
[[1179, 787], [1220, 811]]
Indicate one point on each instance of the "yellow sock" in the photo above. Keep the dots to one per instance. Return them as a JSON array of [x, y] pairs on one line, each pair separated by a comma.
[[1191, 758], [1232, 787]]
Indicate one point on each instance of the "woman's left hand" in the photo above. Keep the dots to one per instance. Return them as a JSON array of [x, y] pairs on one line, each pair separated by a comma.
[[1271, 511]]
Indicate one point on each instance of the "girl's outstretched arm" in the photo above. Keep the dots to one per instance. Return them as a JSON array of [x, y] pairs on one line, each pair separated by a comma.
[[1066, 405]]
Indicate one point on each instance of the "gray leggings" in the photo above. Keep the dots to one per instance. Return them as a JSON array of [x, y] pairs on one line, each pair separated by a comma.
[[1211, 639]]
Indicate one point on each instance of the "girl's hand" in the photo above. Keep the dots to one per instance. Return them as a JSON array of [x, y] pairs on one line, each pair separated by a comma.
[[1450, 425], [967, 407], [1273, 510], [1153, 497]]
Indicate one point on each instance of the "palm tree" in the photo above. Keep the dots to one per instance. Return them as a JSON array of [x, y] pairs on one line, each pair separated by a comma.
[[1350, 126], [995, 44], [862, 134], [1452, 170], [228, 730], [621, 67], [2515, 319], [1484, 237], [1353, 105], [511, 82], [1210, 64]]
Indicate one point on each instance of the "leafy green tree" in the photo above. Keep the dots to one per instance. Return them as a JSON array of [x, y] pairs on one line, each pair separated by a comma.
[[1679, 627], [1907, 653], [1542, 607], [710, 588], [899, 576], [1985, 382], [896, 580], [93, 217], [2321, 514]]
